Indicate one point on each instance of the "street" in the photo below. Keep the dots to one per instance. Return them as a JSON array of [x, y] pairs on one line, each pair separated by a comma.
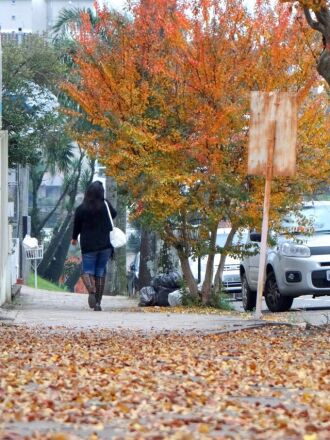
[[304, 309]]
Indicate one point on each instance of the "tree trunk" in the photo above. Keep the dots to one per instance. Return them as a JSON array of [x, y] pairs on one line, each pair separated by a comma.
[[167, 258], [147, 258], [188, 275], [50, 253], [36, 178], [73, 278], [323, 66], [34, 214], [42, 223], [55, 270], [219, 272], [111, 276], [121, 278], [207, 283], [116, 279], [57, 250], [321, 23]]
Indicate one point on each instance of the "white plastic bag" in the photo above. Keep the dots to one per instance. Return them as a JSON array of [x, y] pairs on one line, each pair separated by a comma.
[[30, 242], [117, 237], [175, 298]]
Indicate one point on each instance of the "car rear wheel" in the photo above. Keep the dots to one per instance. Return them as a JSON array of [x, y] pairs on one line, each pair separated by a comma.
[[274, 300], [249, 297]]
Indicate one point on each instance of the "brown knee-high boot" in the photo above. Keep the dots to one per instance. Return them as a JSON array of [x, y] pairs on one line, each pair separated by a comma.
[[99, 284], [89, 282]]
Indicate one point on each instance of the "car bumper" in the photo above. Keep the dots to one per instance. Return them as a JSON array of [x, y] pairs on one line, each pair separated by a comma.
[[311, 276], [231, 281]]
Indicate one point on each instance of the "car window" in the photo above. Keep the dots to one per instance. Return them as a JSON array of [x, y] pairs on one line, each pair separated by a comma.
[[310, 217]]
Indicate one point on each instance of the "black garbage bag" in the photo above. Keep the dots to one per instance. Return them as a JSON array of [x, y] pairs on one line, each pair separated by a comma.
[[171, 280], [147, 297], [162, 296]]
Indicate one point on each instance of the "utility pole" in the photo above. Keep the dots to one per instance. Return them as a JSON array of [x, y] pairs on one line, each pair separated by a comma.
[[5, 293], [23, 218]]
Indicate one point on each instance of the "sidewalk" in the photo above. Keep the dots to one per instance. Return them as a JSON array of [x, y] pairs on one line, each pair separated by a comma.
[[34, 307]]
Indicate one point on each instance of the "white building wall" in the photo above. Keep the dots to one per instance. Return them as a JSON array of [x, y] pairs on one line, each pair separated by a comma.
[[4, 230], [38, 15], [34, 15], [15, 14]]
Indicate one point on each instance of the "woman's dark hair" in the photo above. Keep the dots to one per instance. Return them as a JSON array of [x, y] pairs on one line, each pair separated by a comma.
[[94, 196]]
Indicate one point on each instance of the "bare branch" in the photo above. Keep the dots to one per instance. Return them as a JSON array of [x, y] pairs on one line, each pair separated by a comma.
[[312, 23]]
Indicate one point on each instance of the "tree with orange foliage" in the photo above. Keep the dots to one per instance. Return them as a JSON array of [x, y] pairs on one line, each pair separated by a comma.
[[317, 14], [168, 93]]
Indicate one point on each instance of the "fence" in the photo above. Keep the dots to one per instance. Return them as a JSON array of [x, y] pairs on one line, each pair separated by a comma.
[[35, 255], [22, 37]]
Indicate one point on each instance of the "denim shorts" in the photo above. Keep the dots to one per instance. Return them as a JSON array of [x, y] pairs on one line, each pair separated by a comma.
[[95, 263]]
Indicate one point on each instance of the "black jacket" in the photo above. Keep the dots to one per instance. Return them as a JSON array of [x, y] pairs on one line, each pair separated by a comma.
[[94, 228]]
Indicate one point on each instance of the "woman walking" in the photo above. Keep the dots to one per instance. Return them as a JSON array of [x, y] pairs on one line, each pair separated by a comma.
[[92, 223]]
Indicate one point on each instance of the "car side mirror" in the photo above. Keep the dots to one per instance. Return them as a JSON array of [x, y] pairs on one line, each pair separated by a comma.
[[255, 236]]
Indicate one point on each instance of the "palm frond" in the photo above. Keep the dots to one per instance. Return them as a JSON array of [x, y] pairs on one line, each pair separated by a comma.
[[68, 17]]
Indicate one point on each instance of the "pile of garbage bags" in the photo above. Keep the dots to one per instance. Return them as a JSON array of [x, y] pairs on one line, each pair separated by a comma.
[[164, 291]]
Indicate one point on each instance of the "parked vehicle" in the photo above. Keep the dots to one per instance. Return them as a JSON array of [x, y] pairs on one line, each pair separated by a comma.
[[231, 280], [231, 276], [295, 266]]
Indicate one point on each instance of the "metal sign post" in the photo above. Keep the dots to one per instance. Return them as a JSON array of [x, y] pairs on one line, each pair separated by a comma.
[[272, 142]]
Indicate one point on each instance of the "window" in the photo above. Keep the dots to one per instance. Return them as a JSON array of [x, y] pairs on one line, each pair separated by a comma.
[[315, 217]]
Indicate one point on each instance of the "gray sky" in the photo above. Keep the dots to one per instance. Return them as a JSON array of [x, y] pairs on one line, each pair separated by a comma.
[[117, 4]]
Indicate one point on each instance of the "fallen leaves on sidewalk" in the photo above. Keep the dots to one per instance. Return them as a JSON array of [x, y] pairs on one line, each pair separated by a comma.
[[200, 310], [271, 383]]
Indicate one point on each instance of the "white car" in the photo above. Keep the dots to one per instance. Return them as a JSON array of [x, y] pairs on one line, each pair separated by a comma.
[[231, 280], [294, 266]]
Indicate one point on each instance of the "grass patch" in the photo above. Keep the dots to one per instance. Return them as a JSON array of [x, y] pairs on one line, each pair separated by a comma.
[[45, 284], [220, 301]]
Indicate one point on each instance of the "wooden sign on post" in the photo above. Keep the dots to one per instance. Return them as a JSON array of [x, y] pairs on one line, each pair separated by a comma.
[[272, 152], [268, 109]]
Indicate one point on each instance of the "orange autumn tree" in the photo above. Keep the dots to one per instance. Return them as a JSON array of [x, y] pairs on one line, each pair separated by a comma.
[[168, 93], [317, 15]]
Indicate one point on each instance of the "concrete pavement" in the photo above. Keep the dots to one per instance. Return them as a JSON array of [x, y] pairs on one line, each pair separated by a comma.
[[305, 309], [34, 307]]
